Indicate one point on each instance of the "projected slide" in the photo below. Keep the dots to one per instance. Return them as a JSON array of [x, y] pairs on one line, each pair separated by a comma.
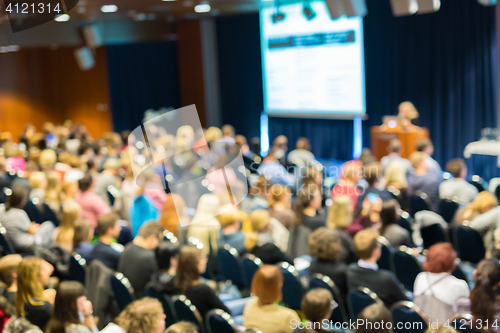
[[312, 68]]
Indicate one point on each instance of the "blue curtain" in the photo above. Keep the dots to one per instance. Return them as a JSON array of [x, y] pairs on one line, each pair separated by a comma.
[[141, 77], [444, 62]]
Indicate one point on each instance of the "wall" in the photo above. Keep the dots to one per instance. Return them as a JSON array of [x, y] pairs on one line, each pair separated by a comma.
[[39, 85]]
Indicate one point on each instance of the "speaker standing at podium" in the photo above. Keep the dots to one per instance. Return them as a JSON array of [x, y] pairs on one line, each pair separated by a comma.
[[408, 115]]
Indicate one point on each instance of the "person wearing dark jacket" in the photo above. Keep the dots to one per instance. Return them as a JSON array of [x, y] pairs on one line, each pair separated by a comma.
[[260, 243], [166, 260], [365, 273]]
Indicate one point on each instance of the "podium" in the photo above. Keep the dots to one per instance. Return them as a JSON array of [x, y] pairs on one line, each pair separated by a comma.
[[381, 135]]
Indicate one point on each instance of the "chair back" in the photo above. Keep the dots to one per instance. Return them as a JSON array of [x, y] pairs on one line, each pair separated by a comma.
[[218, 321], [229, 265], [497, 192], [77, 267], [249, 265], [432, 234], [5, 243], [405, 266], [405, 221], [167, 310], [292, 288], [477, 182], [339, 314], [447, 209], [460, 274], [122, 290], [186, 311], [384, 261], [469, 245], [361, 298], [408, 318], [419, 201]]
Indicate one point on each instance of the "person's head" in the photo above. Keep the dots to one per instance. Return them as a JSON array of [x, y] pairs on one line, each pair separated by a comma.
[[85, 183], [281, 143], [262, 187], [70, 300], [389, 214], [395, 174], [440, 258], [192, 262], [227, 130], [340, 212], [182, 327], [150, 234], [441, 329], [308, 197], [38, 180], [407, 110], [18, 198], [374, 319], [457, 168], [267, 283], [324, 243], [482, 297], [84, 232], [47, 159], [229, 216], [313, 176], [260, 220], [317, 305], [394, 146], [8, 269], [351, 171], [70, 213], [281, 194], [166, 256], [417, 160], [303, 143], [366, 245], [241, 142], [271, 154], [75, 162], [213, 134], [484, 202], [372, 173], [425, 146], [33, 275], [107, 225], [144, 315]]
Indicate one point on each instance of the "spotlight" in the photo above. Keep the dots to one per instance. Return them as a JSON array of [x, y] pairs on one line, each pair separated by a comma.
[[109, 8], [278, 17], [308, 12], [202, 8]]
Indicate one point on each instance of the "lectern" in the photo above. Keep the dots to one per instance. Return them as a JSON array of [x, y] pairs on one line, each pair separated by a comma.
[[391, 129]]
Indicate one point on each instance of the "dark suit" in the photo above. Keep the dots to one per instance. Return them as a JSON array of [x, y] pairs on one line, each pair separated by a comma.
[[382, 282], [335, 270]]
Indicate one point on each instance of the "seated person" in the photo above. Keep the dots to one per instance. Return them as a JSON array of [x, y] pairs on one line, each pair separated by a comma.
[[260, 243], [436, 287], [422, 180], [182, 327], [23, 233], [307, 206], [263, 313], [317, 306], [394, 154], [280, 208], [301, 155], [84, 232], [346, 185], [8, 275], [166, 260], [92, 204], [105, 249], [72, 311], [276, 172], [389, 227], [397, 183], [325, 247], [373, 316], [373, 171], [484, 302], [483, 203], [144, 315], [137, 262], [365, 273], [193, 263], [427, 148], [457, 188], [33, 301], [230, 233]]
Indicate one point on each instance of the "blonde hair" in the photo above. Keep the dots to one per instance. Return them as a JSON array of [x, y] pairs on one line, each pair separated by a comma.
[[259, 219], [8, 266], [339, 213], [412, 110], [416, 158], [66, 234], [36, 179], [278, 192], [365, 242], [213, 134], [47, 158], [228, 215], [396, 173], [53, 189], [141, 316], [29, 287], [482, 201]]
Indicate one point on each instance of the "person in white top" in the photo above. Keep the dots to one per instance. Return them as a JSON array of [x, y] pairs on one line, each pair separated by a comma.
[[457, 188], [437, 280]]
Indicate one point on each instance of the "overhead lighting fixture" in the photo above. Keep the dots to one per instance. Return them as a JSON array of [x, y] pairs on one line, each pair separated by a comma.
[[109, 8], [62, 18], [202, 8], [309, 12]]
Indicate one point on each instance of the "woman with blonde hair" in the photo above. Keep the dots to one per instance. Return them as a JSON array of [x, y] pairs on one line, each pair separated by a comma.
[[484, 202], [33, 301], [263, 313], [64, 233], [53, 191], [396, 182], [142, 316], [204, 226], [260, 243], [340, 219], [408, 114], [281, 205]]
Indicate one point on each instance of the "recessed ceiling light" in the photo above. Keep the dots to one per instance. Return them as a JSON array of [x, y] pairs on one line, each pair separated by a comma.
[[62, 18], [202, 8], [109, 8]]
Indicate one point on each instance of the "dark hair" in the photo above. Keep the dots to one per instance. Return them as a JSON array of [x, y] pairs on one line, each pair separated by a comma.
[[388, 214], [395, 145], [421, 144], [304, 198], [150, 228], [106, 221], [455, 167], [483, 296], [85, 182], [65, 310], [81, 234], [373, 315], [372, 172], [187, 273], [316, 305], [164, 253], [440, 258], [17, 199]]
